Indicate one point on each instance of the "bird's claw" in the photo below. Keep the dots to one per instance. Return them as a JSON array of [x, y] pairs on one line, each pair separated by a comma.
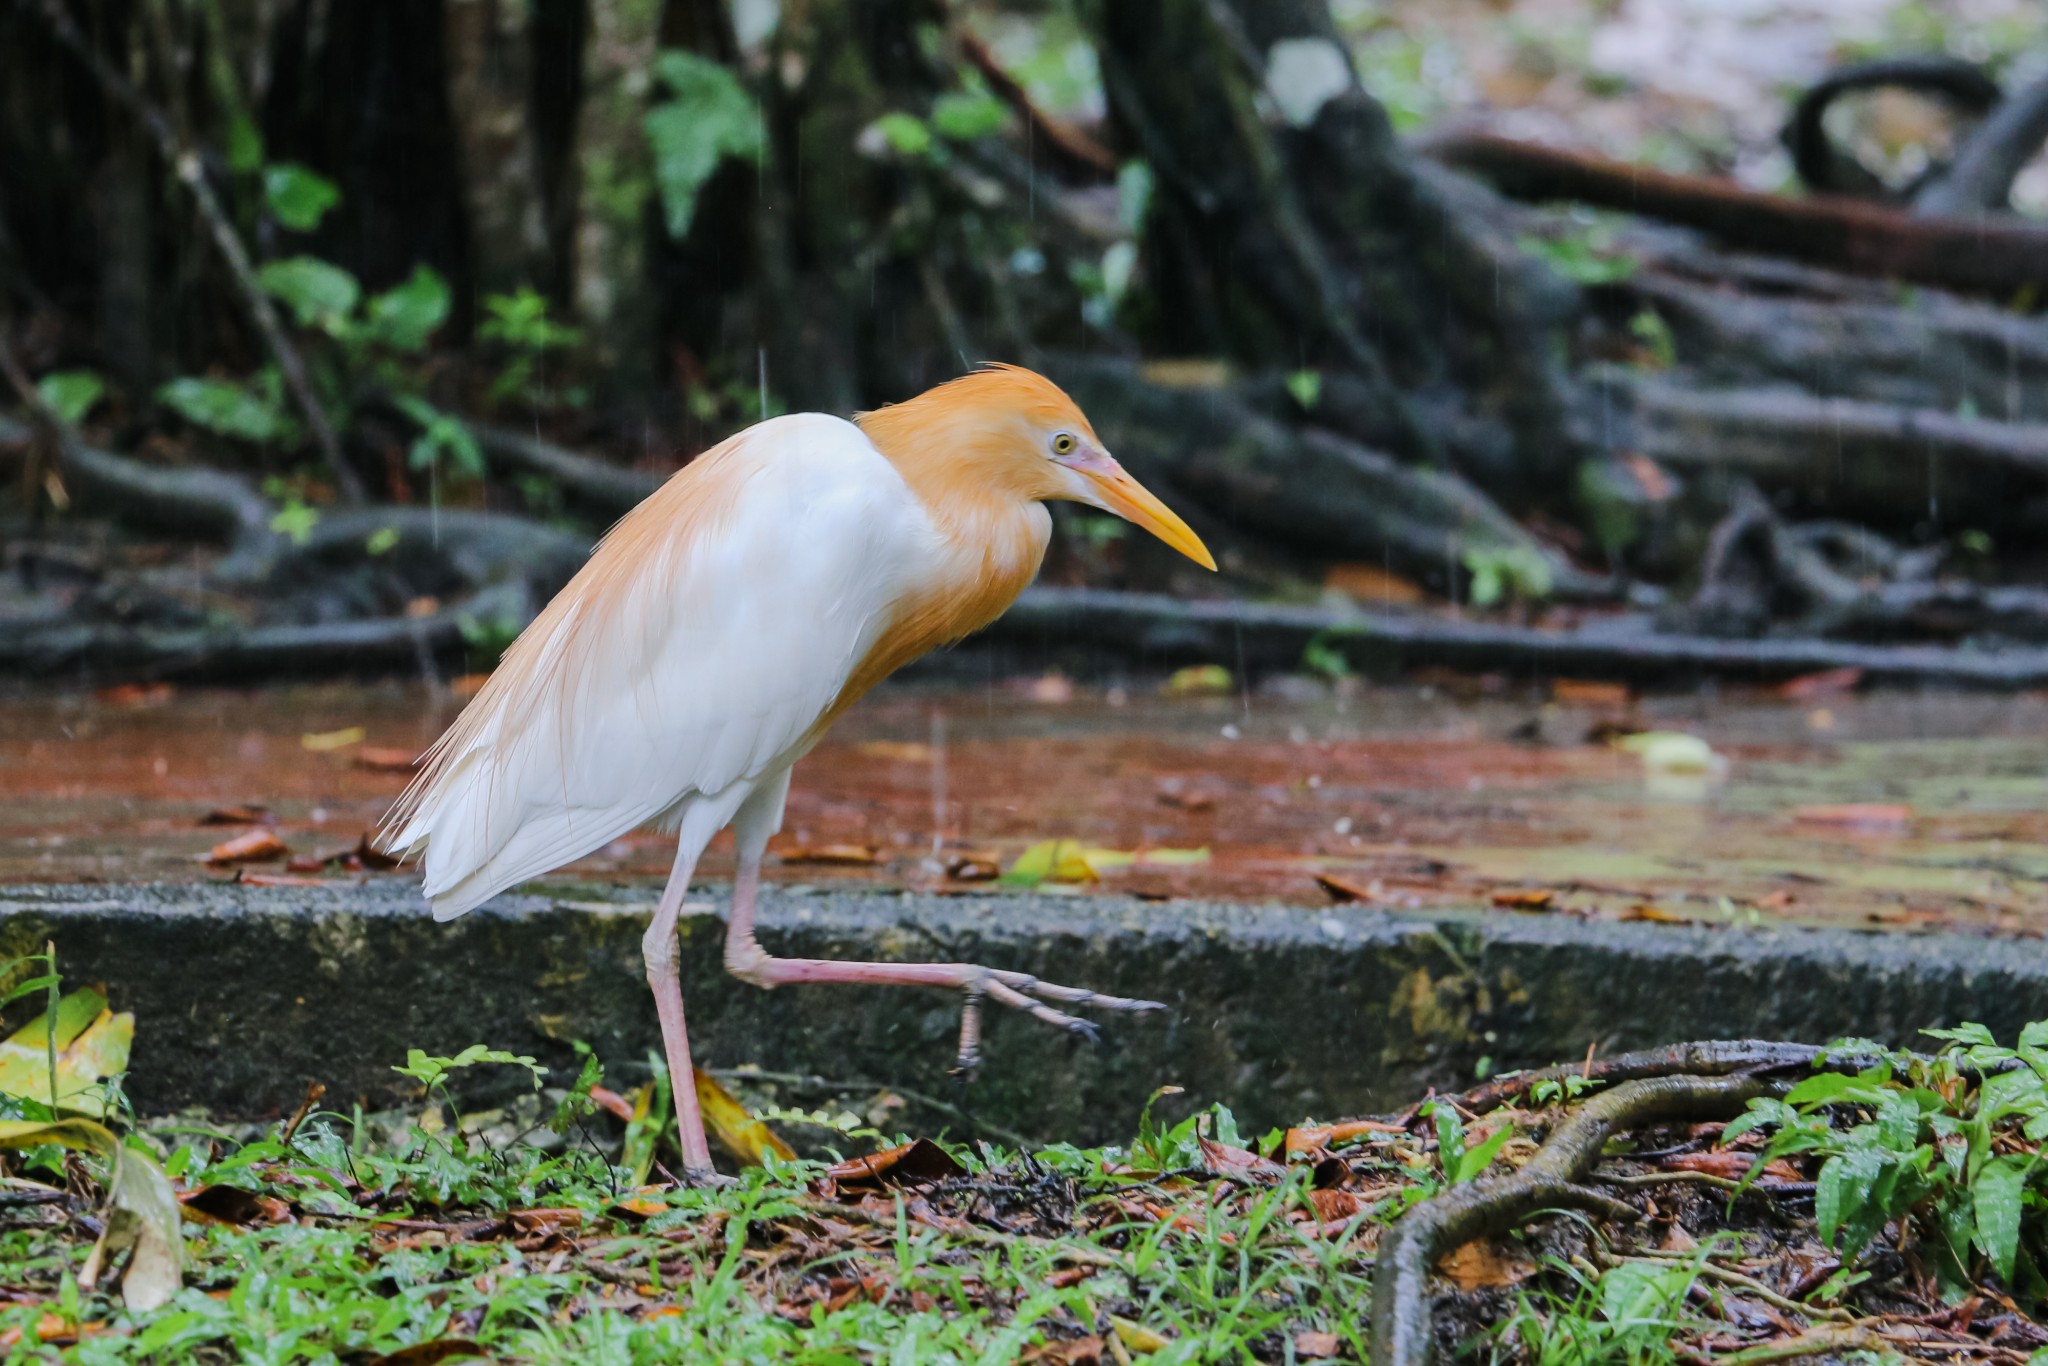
[[1022, 991]]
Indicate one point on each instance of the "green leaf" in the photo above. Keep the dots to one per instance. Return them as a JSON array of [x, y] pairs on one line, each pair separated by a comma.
[[296, 520], [1999, 1195], [431, 1071], [1476, 1160], [90, 1043], [404, 316], [299, 198], [225, 407], [245, 144], [382, 541], [1305, 387], [319, 293], [1845, 1184], [71, 394], [1134, 185], [441, 434], [708, 117], [964, 116], [906, 134]]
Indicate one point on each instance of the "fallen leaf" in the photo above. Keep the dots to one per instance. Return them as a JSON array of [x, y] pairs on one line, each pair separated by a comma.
[[1082, 1351], [1069, 1276], [974, 867], [137, 694], [1856, 815], [895, 751], [92, 1044], [248, 879], [1332, 1206], [1370, 583], [145, 1222], [1102, 860], [316, 861], [1175, 793], [915, 1162], [370, 856], [468, 685], [1138, 1338], [1775, 901], [1656, 914], [1826, 683], [232, 1206], [1199, 680], [253, 847], [1523, 898], [380, 759], [1311, 1346], [745, 1137], [1672, 751], [1476, 1266], [1344, 889], [1579, 692], [320, 742], [1222, 1159], [1313, 1138], [1730, 1164], [237, 815], [852, 855], [1050, 861]]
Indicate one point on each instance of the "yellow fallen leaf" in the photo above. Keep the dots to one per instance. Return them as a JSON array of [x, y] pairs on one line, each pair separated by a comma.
[[1138, 1337], [92, 1044], [322, 741], [1199, 680], [1672, 751], [1103, 859], [1051, 861], [745, 1137]]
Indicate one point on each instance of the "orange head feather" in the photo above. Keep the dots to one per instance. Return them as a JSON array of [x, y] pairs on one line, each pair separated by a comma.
[[1004, 434]]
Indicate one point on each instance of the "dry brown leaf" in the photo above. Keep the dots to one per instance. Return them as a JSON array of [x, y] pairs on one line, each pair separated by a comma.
[[1477, 1266], [1581, 692], [249, 879], [1523, 898], [1313, 1346], [976, 867], [232, 1206], [1856, 815], [1344, 889], [382, 759], [851, 855], [1238, 1163], [917, 1161], [253, 847], [1372, 584], [1826, 683]]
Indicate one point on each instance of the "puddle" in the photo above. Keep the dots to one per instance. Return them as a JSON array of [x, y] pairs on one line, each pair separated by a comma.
[[1409, 797]]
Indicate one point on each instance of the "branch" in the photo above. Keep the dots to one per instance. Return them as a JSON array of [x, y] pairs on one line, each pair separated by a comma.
[[1845, 234], [1076, 152], [1408, 1253], [185, 162], [1161, 629]]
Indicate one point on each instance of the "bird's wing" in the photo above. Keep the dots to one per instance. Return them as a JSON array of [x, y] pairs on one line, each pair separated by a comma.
[[698, 649]]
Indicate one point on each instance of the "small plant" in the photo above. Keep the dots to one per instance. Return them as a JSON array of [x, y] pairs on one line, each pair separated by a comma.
[[1913, 1140], [519, 324], [706, 117], [1461, 1163], [1567, 1088], [1499, 574], [1324, 657], [1587, 256]]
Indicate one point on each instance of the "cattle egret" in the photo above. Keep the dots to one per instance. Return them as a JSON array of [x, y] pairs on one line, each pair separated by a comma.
[[722, 626]]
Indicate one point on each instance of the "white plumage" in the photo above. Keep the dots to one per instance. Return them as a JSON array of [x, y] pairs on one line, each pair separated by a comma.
[[694, 679]]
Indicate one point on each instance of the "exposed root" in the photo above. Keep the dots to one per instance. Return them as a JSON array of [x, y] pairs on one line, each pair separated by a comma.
[[1408, 1253]]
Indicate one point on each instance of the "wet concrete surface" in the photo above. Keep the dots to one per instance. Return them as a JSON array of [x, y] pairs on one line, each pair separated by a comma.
[[1903, 810]]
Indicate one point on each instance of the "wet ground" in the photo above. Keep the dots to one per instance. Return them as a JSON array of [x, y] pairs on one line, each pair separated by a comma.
[[1893, 809]]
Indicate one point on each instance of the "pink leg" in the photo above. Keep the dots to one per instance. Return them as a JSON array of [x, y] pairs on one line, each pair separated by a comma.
[[748, 961], [658, 948]]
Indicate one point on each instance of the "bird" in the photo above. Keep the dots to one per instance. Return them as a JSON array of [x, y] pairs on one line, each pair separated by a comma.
[[720, 628]]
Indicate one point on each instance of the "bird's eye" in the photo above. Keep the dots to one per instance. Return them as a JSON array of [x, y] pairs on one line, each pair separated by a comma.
[[1064, 443]]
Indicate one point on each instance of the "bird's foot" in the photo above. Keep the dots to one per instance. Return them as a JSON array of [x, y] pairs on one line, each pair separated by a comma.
[[1022, 991], [702, 1178]]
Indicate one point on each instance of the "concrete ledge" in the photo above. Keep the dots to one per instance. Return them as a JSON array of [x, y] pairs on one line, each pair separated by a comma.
[[242, 994]]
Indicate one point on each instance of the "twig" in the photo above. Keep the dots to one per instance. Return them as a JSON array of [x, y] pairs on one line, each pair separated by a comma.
[[1727, 1275], [1079, 153], [1980, 175], [186, 164], [1851, 1337], [1401, 1334]]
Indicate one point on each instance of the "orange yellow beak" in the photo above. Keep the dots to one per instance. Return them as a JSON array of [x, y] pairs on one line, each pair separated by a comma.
[[1110, 488]]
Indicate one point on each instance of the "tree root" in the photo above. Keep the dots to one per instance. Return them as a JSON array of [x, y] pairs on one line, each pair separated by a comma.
[[610, 488], [1823, 167], [1980, 176], [1408, 1253], [1162, 629], [1963, 254], [1699, 1058]]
